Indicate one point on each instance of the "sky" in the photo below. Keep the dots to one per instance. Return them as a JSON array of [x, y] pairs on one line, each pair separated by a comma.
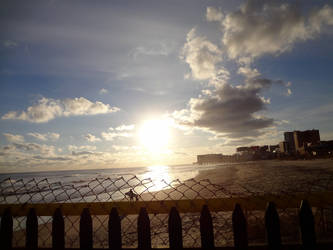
[[102, 84]]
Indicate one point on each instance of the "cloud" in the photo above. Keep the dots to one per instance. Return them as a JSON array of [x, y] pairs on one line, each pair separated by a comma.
[[9, 44], [120, 131], [248, 72], [229, 110], [213, 14], [201, 55], [320, 17], [48, 109], [157, 49], [257, 28], [30, 148], [109, 136], [125, 127], [13, 138], [103, 91], [56, 158], [83, 147], [239, 142], [92, 138], [45, 137], [82, 153], [268, 27]]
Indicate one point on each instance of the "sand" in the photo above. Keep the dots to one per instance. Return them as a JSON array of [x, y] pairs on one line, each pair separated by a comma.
[[273, 175]]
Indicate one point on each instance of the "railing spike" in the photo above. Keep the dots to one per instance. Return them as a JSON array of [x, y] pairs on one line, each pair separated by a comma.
[[144, 238], [6, 231], [175, 229], [31, 230], [239, 226], [58, 230], [307, 225], [114, 230], [272, 223], [206, 228], [86, 235]]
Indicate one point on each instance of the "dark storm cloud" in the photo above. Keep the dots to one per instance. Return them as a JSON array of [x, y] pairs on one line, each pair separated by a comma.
[[230, 110]]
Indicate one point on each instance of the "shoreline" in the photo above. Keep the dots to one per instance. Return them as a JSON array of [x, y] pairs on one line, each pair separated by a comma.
[[223, 181]]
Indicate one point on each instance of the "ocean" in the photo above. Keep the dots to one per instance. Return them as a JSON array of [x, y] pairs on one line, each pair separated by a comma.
[[93, 184]]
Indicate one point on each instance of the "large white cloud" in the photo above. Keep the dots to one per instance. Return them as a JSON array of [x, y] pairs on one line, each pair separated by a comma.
[[257, 28], [201, 55], [268, 27], [48, 109]]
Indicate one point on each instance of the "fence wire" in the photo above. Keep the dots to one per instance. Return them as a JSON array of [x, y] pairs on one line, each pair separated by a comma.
[[44, 191]]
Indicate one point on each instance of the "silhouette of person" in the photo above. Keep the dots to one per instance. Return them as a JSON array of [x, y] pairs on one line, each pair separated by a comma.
[[132, 195]]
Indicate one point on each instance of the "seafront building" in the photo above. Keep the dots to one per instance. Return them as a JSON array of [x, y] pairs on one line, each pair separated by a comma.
[[296, 144], [209, 158]]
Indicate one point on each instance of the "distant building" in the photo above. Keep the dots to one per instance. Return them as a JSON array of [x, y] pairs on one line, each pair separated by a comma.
[[242, 149], [256, 152], [289, 147], [209, 158], [273, 148], [325, 148], [252, 149], [304, 139], [296, 142], [284, 148]]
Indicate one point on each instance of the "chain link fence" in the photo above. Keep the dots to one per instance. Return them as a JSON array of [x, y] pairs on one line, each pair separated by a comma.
[[43, 191]]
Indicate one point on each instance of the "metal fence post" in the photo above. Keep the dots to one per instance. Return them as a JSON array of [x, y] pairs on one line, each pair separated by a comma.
[[58, 230], [6, 231], [239, 226], [206, 228], [175, 229], [114, 230], [86, 236], [31, 230], [272, 223], [144, 238], [307, 225]]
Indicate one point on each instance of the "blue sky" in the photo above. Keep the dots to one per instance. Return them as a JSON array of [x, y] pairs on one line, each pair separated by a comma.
[[81, 81]]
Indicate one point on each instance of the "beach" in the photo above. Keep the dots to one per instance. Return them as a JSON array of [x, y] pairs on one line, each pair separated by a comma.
[[236, 179], [271, 175]]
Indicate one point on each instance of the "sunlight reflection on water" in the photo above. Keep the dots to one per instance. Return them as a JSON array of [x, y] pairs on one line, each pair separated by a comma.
[[162, 176]]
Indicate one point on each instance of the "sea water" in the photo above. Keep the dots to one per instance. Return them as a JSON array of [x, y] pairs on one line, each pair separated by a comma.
[[93, 184]]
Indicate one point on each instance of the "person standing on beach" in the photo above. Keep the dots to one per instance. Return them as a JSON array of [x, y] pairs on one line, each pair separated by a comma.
[[132, 195]]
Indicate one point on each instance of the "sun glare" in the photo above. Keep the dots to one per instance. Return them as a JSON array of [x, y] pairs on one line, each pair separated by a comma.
[[154, 135]]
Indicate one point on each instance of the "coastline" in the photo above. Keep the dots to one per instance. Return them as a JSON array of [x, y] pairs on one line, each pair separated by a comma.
[[237, 178], [276, 174]]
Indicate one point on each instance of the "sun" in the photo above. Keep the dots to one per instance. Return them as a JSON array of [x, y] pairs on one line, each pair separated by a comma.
[[154, 135]]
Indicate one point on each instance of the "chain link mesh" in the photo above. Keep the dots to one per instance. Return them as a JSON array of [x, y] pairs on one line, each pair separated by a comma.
[[107, 189]]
